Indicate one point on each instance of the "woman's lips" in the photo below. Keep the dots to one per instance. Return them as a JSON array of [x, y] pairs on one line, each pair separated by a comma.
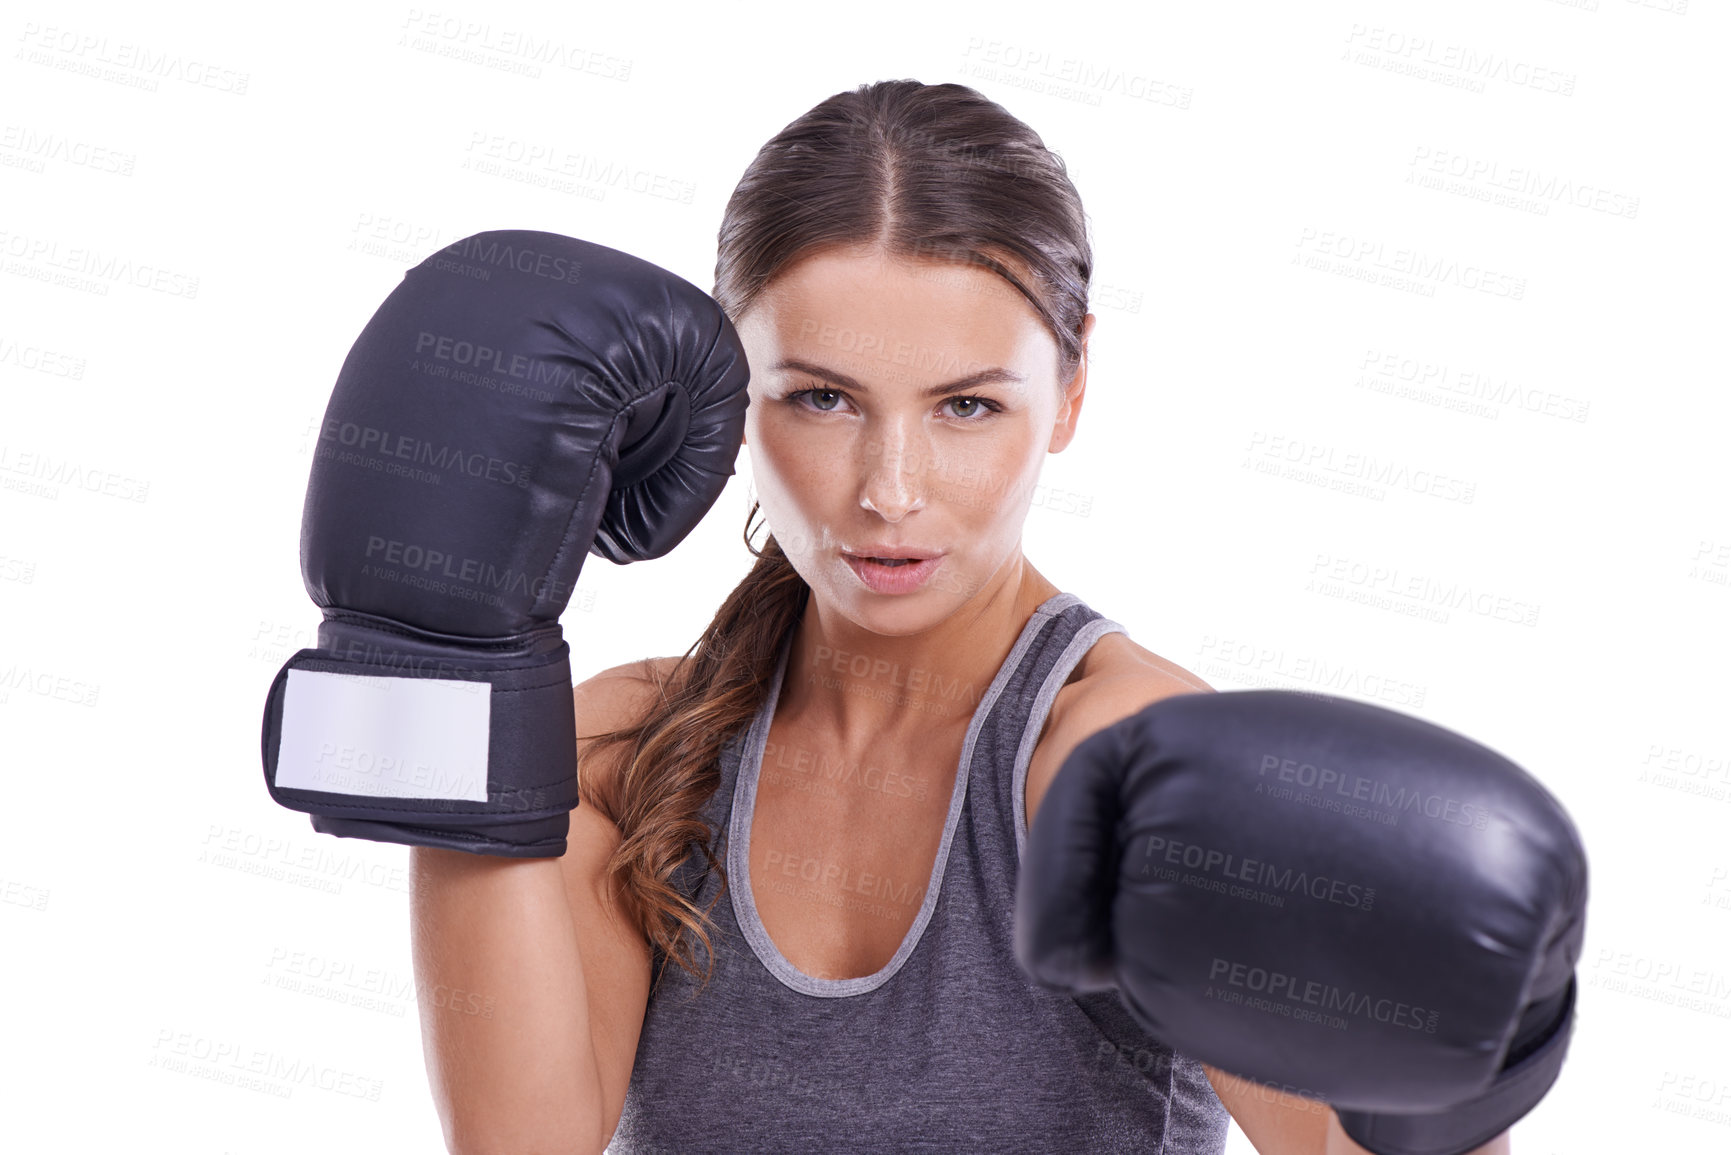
[[893, 578]]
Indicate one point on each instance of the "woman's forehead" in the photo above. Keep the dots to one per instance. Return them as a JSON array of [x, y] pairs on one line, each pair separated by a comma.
[[895, 298]]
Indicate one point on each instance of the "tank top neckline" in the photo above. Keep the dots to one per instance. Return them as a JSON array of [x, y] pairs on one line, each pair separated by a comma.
[[951, 1046], [745, 802]]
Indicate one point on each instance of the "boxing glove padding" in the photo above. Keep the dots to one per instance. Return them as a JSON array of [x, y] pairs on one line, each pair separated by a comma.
[[520, 401], [1314, 892]]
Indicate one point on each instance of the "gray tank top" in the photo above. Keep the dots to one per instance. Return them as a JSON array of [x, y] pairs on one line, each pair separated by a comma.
[[950, 1047]]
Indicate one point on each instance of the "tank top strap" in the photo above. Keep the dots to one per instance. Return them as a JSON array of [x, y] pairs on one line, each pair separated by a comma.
[[1063, 630]]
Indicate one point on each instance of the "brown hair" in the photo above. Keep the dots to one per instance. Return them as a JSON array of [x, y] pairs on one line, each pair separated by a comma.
[[933, 171]]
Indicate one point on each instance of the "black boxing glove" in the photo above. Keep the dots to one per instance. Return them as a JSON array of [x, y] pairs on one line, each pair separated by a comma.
[[1321, 895], [521, 400]]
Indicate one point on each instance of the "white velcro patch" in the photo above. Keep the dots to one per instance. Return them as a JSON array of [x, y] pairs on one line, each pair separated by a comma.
[[384, 737]]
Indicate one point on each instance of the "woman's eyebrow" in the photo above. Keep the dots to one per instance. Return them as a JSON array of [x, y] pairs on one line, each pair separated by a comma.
[[989, 376]]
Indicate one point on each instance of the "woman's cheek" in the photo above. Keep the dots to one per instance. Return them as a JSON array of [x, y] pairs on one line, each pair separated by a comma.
[[978, 484]]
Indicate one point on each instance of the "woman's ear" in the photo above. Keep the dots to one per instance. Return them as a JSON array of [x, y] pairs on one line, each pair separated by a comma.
[[1064, 428]]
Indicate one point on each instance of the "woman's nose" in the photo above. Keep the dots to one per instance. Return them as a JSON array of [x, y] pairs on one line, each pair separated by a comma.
[[892, 481]]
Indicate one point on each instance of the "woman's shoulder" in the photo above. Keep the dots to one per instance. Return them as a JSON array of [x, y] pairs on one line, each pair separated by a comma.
[[606, 700], [613, 699], [1115, 679], [1115, 659]]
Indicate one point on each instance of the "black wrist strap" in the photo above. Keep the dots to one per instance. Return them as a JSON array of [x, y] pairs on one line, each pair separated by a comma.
[[1516, 1091]]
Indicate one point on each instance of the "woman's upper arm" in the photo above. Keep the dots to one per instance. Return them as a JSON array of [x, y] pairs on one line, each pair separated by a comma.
[[1275, 1123], [616, 956]]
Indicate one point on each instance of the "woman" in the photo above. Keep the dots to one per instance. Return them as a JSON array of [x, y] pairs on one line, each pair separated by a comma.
[[784, 920]]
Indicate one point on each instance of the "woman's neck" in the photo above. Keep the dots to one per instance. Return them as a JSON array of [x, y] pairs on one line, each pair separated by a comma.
[[861, 690]]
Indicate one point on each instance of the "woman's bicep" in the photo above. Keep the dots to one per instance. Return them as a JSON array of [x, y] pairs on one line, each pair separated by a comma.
[[1276, 1123]]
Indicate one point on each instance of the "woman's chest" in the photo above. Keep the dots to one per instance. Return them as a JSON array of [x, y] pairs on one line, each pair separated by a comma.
[[842, 850]]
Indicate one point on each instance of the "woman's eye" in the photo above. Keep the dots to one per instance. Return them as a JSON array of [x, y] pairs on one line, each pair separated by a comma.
[[802, 396], [968, 408]]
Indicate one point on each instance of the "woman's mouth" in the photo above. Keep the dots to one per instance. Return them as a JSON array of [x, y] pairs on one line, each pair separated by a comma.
[[893, 575]]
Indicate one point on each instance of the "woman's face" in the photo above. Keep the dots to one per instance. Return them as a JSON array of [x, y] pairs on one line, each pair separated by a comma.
[[900, 408]]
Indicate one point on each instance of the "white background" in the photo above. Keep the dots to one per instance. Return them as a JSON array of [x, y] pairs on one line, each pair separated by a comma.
[[1251, 172]]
